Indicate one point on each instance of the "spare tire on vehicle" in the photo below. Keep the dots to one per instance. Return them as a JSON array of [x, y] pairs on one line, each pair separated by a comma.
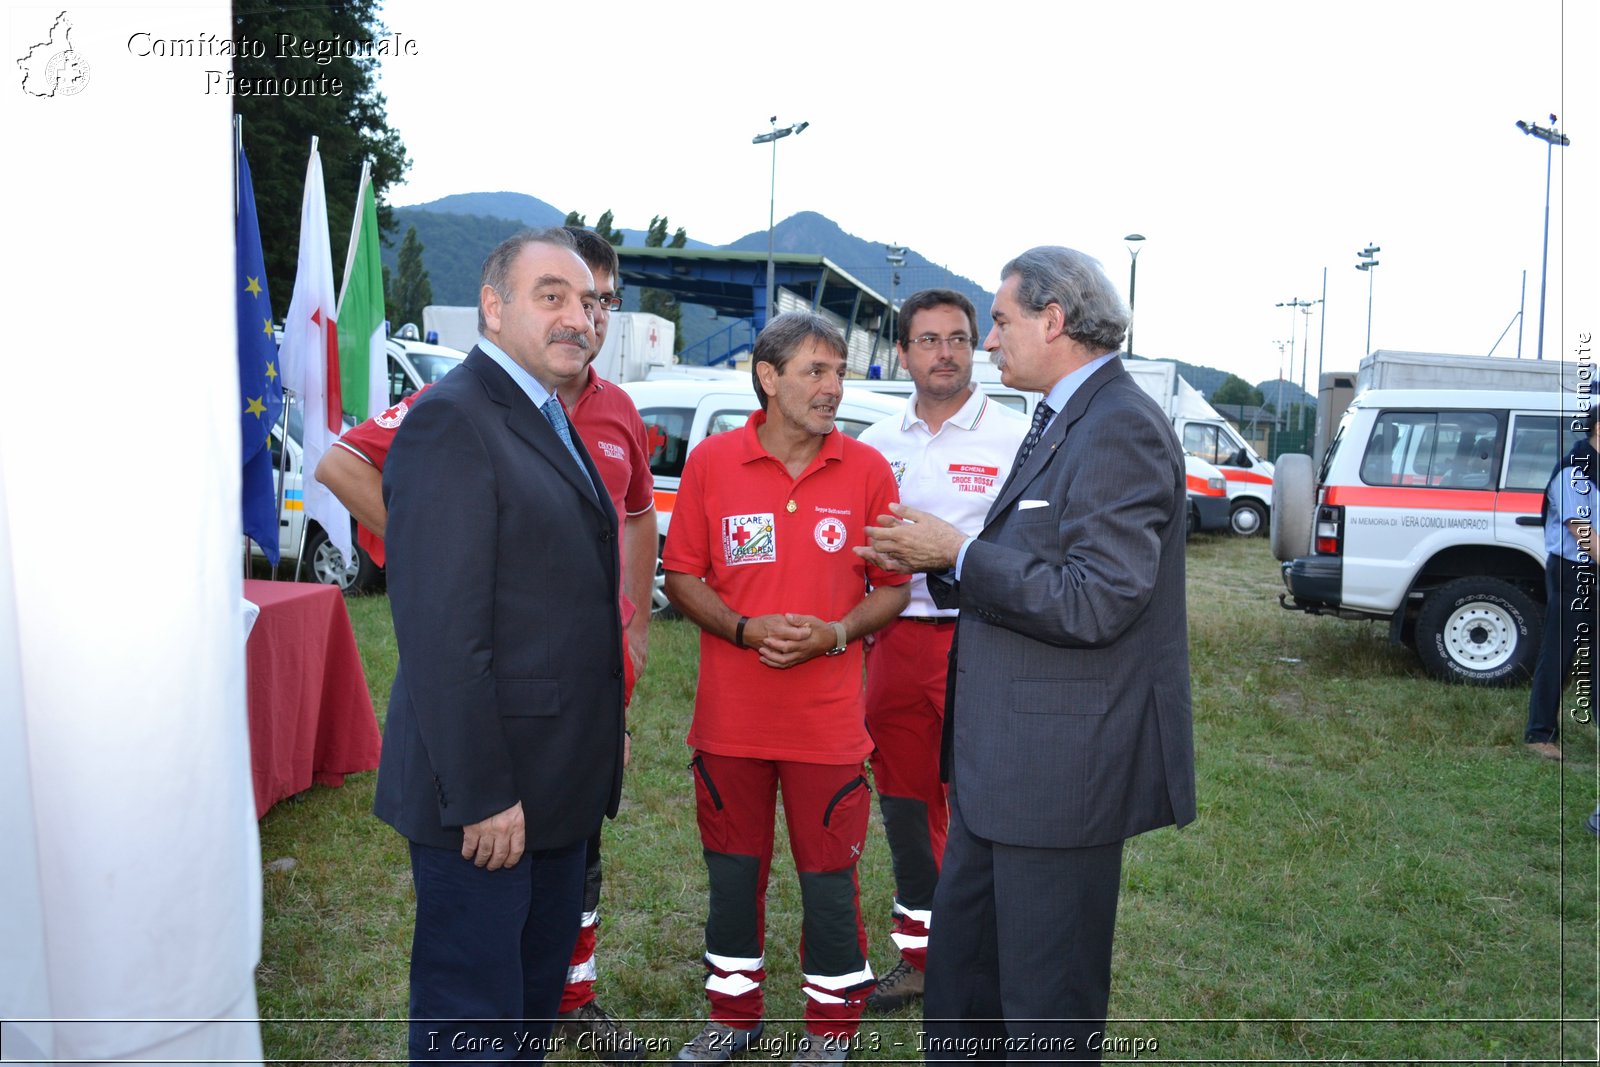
[[1294, 505]]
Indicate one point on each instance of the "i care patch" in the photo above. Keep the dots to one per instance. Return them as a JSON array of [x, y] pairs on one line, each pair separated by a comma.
[[749, 539]]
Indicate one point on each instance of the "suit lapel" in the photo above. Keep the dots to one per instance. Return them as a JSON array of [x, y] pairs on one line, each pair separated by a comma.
[[1045, 450], [529, 423]]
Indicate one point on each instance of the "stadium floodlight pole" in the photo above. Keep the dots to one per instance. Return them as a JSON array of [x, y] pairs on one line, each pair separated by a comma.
[[1552, 139], [1133, 240], [774, 135], [1367, 263], [895, 255], [1294, 304]]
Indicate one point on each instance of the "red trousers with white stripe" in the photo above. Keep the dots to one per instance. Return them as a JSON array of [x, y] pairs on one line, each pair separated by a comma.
[[907, 666], [579, 989], [826, 808]]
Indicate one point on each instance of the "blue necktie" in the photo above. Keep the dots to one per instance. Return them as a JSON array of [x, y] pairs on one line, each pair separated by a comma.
[[551, 410], [1041, 418]]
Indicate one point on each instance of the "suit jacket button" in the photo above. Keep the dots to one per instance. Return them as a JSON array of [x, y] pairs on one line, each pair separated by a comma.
[[605, 535], [616, 672]]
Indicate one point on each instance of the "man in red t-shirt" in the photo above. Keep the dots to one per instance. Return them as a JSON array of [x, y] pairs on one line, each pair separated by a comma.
[[614, 436], [759, 558]]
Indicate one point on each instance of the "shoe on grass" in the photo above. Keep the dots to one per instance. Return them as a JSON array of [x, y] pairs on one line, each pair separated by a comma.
[[591, 1027], [896, 989], [1546, 749], [817, 1050], [717, 1043]]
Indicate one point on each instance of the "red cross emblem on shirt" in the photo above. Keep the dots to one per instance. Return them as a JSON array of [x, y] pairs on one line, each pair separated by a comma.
[[830, 534]]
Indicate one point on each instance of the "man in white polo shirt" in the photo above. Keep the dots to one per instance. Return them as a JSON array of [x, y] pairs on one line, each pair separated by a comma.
[[951, 451]]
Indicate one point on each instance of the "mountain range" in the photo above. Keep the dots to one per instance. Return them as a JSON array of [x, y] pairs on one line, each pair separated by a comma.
[[458, 231]]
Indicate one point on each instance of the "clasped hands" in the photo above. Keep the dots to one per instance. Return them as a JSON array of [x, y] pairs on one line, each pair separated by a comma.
[[788, 640], [911, 541]]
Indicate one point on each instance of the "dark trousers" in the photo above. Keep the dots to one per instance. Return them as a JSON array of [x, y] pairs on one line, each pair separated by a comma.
[[1019, 960], [1569, 637], [489, 952]]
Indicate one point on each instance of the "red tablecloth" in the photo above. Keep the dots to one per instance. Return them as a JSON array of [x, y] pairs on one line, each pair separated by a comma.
[[311, 718]]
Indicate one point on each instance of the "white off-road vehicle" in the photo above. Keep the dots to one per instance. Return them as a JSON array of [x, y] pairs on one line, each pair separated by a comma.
[[1425, 514]]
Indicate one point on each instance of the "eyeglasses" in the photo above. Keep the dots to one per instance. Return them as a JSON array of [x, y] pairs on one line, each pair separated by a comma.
[[610, 301], [958, 342]]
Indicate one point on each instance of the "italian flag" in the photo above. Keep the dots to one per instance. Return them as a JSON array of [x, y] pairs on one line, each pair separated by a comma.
[[363, 358]]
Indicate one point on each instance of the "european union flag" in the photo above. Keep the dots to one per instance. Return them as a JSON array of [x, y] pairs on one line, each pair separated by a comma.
[[260, 386]]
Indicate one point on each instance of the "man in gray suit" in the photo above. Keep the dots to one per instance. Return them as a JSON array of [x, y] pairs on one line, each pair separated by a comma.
[[1069, 729]]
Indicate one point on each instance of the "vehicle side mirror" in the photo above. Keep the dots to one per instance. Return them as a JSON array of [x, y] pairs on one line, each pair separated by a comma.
[[1240, 458]]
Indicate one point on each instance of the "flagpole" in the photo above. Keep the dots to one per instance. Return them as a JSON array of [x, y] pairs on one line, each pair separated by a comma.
[[300, 552], [283, 472], [238, 149]]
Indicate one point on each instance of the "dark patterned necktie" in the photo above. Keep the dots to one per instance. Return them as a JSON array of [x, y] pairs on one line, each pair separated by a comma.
[[1041, 418], [558, 420]]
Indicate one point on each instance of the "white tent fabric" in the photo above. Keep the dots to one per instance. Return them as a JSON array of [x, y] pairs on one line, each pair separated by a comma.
[[130, 876]]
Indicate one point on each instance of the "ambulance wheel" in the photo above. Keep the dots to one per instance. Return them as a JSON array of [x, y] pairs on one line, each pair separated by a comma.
[[1248, 518], [660, 606], [326, 565], [1479, 631], [1294, 505]]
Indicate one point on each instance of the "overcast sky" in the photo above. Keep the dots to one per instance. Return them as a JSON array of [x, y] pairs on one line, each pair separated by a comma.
[[1253, 143]]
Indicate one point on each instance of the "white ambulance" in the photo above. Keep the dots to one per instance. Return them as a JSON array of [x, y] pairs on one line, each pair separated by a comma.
[[1425, 514]]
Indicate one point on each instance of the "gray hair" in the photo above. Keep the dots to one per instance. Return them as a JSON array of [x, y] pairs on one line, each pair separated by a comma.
[[782, 339], [1094, 314], [497, 268]]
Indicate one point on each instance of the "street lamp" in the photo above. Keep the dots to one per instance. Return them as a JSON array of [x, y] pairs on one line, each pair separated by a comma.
[[1552, 139], [1367, 263], [1133, 240], [1305, 353], [896, 256], [774, 135], [1295, 304]]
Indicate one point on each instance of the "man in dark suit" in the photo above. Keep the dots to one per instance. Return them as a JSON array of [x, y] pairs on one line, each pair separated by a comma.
[[1069, 729], [504, 743]]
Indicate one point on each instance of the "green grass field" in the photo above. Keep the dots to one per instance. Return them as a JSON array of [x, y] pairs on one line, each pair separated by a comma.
[[1378, 873]]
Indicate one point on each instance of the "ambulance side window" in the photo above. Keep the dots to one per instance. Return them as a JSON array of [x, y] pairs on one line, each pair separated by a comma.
[[1400, 451], [398, 383], [667, 437], [1537, 442], [723, 421], [1469, 444], [1441, 450], [1202, 441]]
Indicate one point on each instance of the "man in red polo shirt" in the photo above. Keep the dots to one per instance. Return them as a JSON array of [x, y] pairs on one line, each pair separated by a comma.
[[759, 559], [614, 436]]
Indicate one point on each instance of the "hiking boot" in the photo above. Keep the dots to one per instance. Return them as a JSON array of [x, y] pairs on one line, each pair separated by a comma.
[[591, 1027], [896, 989], [814, 1049], [717, 1043]]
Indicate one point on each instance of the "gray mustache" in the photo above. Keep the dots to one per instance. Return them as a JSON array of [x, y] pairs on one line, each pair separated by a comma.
[[576, 337]]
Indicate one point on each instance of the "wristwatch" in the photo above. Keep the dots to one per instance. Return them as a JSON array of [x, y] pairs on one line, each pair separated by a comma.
[[840, 639]]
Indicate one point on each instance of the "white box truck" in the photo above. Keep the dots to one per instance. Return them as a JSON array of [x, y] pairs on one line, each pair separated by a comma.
[[1388, 369], [1203, 431], [636, 342]]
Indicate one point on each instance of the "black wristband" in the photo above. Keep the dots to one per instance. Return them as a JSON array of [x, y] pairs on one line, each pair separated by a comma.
[[738, 631]]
